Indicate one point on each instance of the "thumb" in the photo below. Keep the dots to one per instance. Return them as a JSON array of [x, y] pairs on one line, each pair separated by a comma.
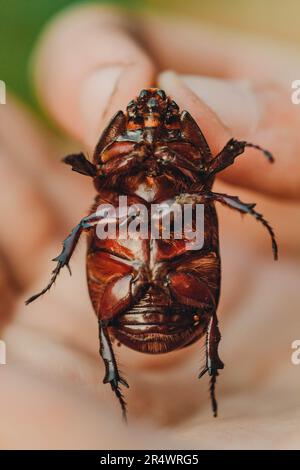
[[86, 67], [260, 113]]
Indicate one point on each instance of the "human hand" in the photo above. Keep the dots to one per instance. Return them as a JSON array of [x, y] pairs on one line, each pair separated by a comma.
[[89, 64]]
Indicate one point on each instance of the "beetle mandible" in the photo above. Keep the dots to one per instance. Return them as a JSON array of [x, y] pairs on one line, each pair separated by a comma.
[[155, 296]]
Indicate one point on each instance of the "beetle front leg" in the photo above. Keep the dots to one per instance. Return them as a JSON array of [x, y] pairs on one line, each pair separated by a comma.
[[228, 154], [112, 375], [69, 245], [81, 164], [213, 361]]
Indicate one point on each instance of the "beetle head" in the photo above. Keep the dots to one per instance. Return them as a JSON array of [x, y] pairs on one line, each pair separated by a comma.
[[151, 109]]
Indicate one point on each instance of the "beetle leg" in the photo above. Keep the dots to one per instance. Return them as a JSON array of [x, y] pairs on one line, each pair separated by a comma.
[[80, 164], [213, 361], [226, 157], [235, 203], [112, 375], [69, 245]]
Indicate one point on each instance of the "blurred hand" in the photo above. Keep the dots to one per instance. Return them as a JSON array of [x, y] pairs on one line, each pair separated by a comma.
[[90, 63]]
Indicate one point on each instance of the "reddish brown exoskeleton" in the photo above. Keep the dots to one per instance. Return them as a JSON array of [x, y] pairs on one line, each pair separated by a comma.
[[154, 295]]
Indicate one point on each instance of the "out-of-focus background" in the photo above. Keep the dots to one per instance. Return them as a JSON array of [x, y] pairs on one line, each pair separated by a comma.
[[22, 21], [52, 394]]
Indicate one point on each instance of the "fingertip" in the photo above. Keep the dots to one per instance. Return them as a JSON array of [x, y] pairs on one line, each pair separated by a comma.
[[87, 66], [108, 90], [233, 108]]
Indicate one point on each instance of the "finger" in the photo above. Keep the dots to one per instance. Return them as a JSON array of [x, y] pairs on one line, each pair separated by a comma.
[[36, 153], [87, 67], [209, 50], [38, 199], [262, 110], [261, 114], [8, 288], [27, 214], [77, 417]]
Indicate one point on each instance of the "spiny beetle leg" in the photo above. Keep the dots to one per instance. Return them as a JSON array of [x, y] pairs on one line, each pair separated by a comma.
[[213, 361], [112, 375], [80, 164], [234, 203], [69, 245], [232, 149]]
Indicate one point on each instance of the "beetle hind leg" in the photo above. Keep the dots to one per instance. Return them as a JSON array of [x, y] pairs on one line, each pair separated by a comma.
[[116, 388], [112, 374], [213, 361], [212, 392]]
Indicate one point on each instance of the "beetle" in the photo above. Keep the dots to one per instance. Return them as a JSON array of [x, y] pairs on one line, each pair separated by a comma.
[[155, 295]]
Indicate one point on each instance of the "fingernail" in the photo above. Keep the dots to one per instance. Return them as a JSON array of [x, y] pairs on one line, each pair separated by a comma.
[[96, 98], [234, 101]]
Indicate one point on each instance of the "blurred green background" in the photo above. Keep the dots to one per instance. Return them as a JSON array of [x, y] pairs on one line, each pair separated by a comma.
[[22, 20]]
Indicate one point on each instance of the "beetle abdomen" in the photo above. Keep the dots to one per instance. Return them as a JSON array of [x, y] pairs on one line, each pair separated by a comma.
[[155, 325]]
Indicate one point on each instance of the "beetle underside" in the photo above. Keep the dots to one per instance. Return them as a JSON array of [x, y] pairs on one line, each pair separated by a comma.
[[150, 328], [155, 296]]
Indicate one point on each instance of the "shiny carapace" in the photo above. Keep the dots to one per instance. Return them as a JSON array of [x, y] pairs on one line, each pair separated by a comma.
[[154, 295]]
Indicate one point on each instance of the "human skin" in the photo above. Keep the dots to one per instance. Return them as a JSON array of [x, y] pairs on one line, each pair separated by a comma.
[[88, 64]]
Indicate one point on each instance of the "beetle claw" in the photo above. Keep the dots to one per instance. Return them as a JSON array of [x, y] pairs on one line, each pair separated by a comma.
[[203, 372], [211, 371], [115, 382], [69, 269], [123, 382], [115, 387]]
